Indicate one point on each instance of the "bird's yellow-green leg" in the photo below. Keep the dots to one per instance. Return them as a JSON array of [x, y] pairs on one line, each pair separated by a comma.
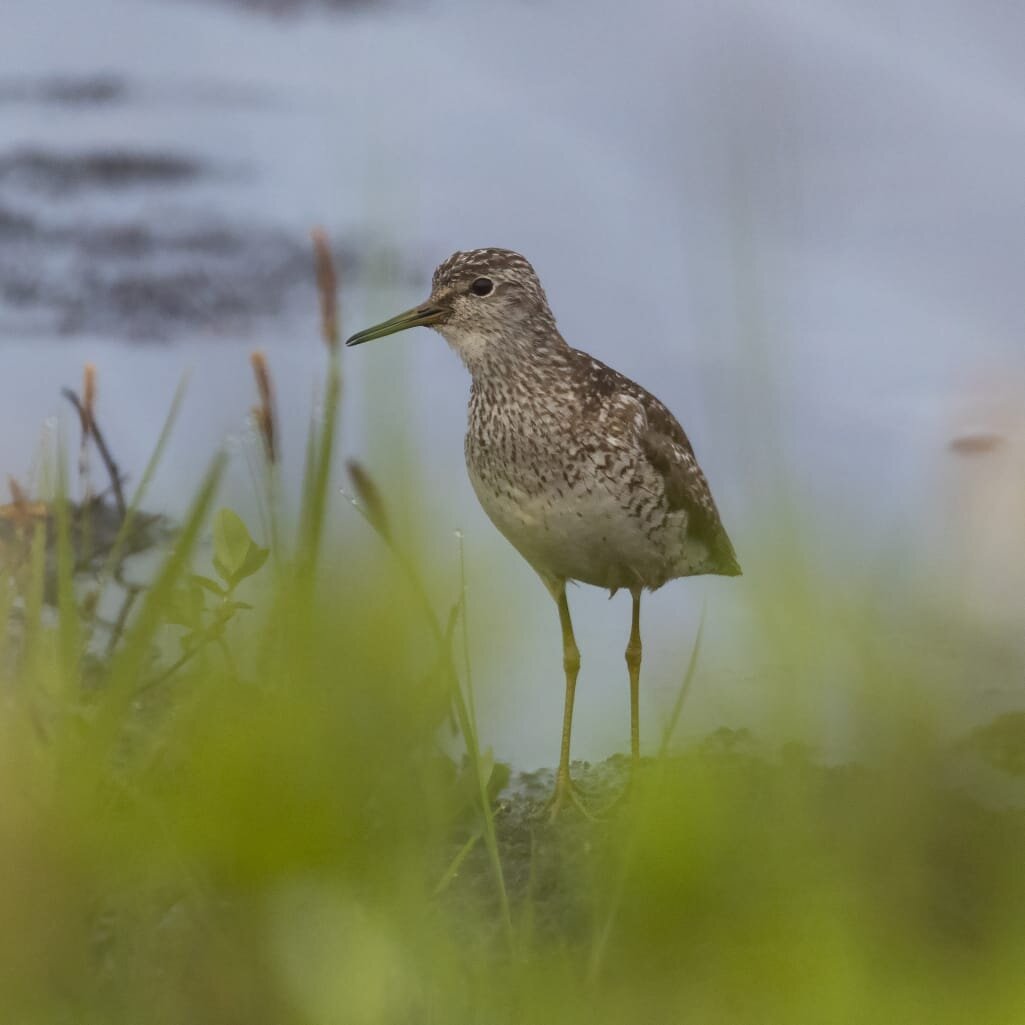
[[571, 664], [633, 665]]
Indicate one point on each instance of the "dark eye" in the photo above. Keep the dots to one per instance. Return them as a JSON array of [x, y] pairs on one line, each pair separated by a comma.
[[482, 286]]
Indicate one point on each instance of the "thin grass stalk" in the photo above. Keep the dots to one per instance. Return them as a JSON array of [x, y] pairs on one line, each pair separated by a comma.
[[34, 592], [321, 458], [473, 744], [85, 414], [320, 450], [456, 864], [309, 472], [123, 677], [87, 419], [6, 608], [681, 693], [373, 513], [113, 561], [132, 592], [468, 729], [69, 624], [601, 942]]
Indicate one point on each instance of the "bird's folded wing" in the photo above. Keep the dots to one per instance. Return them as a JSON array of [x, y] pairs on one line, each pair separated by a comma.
[[668, 450]]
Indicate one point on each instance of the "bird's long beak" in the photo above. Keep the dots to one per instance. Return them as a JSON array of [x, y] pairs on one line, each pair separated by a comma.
[[420, 316]]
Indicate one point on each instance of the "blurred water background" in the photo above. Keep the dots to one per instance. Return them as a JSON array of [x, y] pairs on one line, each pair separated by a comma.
[[800, 225]]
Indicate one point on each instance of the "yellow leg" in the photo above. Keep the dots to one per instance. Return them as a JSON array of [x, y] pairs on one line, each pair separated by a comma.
[[571, 665], [633, 665]]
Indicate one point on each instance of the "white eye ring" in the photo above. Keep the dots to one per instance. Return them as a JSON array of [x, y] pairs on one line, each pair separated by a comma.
[[482, 286]]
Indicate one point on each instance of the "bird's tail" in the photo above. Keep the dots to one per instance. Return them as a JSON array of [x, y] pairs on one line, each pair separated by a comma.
[[723, 555]]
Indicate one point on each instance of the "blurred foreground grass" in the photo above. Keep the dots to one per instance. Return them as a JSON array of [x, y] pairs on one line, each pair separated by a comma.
[[263, 823]]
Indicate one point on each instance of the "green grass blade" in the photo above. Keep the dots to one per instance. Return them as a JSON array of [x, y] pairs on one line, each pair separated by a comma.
[[604, 932], [6, 607], [684, 689], [466, 713], [127, 664], [34, 593], [319, 461], [456, 864], [113, 559], [69, 624]]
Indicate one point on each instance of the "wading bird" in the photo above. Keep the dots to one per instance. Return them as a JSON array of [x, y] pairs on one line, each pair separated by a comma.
[[587, 474]]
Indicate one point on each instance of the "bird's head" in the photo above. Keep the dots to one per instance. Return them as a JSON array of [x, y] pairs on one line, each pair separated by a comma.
[[482, 302]]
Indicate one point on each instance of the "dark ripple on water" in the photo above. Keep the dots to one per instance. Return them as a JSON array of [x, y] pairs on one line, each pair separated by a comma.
[[59, 175], [159, 265], [148, 281], [61, 90], [69, 265]]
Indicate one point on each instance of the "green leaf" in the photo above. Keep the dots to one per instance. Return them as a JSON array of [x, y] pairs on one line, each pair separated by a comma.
[[255, 558], [208, 584], [231, 542], [486, 764], [222, 571], [236, 555], [222, 614], [498, 780]]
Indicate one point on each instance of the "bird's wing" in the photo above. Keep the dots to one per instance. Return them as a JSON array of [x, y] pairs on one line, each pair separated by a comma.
[[669, 451], [631, 416]]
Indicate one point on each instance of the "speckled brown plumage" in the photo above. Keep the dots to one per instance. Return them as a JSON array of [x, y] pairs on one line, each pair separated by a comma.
[[586, 473], [553, 434]]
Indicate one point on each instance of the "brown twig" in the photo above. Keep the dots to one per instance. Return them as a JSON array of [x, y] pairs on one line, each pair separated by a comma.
[[87, 418], [89, 424], [264, 412], [132, 592], [327, 288]]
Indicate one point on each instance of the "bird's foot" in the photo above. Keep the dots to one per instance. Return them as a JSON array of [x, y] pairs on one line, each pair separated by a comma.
[[566, 792]]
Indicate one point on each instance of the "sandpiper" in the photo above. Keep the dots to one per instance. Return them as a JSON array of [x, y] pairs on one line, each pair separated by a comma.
[[586, 473]]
